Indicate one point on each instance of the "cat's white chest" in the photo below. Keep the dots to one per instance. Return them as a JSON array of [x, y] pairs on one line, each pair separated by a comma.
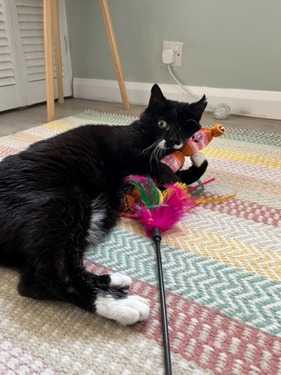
[[96, 230]]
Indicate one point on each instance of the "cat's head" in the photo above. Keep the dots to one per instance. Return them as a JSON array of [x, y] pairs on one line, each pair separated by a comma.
[[169, 121]]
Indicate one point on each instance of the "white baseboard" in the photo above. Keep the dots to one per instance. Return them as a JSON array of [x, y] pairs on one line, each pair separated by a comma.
[[266, 104]]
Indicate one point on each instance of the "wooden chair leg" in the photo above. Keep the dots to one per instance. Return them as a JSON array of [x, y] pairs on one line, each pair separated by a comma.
[[57, 50], [114, 51], [48, 46]]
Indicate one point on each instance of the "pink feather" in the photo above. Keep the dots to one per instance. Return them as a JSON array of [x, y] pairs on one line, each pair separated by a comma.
[[176, 203]]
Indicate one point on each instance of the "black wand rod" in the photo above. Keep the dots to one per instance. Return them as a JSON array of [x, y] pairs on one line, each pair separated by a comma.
[[156, 235]]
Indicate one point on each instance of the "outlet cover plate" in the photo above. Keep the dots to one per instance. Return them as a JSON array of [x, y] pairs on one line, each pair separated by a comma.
[[177, 48]]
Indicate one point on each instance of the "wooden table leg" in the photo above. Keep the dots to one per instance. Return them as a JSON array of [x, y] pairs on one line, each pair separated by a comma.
[[57, 49], [48, 46], [114, 51]]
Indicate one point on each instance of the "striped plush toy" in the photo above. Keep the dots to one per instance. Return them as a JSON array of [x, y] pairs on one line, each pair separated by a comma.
[[197, 142]]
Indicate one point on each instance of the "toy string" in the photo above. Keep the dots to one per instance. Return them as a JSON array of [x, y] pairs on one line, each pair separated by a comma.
[[194, 188], [156, 236]]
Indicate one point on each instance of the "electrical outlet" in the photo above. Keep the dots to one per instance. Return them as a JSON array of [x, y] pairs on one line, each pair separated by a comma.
[[172, 53]]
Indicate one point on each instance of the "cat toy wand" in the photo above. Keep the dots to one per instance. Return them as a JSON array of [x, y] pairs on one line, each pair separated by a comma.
[[158, 211]]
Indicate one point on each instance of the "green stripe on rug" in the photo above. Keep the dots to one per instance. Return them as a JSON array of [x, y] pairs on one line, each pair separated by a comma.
[[105, 118], [253, 136]]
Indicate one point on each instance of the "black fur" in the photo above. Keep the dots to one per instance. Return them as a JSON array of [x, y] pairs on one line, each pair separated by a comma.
[[50, 192]]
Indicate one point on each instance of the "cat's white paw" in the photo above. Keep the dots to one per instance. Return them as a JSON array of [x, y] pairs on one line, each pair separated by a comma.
[[120, 281], [125, 311], [198, 158], [186, 164]]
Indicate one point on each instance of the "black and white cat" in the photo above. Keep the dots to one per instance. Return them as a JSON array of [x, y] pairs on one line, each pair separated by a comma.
[[65, 193]]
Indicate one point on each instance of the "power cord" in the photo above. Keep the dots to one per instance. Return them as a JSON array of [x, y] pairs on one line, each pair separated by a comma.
[[221, 111]]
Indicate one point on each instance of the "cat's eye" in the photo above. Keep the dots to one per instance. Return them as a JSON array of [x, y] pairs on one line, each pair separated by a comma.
[[162, 124]]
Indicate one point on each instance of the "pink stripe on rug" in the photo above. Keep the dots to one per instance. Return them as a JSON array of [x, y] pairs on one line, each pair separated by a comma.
[[6, 151], [247, 210], [16, 360], [207, 337]]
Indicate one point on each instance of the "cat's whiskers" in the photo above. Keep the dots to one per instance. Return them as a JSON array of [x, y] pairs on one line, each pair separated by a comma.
[[153, 145], [157, 154]]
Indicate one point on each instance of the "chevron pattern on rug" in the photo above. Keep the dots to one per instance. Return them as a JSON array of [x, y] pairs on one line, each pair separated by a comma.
[[222, 270]]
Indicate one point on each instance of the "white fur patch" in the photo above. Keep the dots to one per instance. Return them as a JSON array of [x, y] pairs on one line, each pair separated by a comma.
[[186, 164], [198, 158], [118, 280], [162, 144], [95, 232], [125, 311]]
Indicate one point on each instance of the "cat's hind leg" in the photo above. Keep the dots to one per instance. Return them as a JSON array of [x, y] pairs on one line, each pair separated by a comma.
[[54, 244], [106, 295], [29, 286]]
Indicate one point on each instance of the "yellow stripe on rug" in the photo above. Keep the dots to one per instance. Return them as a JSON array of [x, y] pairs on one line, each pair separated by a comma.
[[232, 252], [246, 158], [58, 126]]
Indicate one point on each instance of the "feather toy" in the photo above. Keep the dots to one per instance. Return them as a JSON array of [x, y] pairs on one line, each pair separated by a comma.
[[155, 208], [158, 211]]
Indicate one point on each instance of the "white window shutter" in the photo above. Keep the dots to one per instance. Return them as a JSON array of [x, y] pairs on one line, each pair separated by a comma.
[[30, 27], [30, 19], [26, 71], [9, 90]]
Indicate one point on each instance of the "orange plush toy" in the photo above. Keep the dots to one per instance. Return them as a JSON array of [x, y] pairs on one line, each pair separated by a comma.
[[198, 141]]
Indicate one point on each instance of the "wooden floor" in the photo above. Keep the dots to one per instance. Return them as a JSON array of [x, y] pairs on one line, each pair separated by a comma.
[[20, 119]]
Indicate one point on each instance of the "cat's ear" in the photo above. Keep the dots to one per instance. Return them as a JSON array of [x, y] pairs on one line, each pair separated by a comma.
[[157, 99], [198, 108]]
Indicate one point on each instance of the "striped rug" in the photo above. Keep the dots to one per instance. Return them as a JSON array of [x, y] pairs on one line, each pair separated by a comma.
[[222, 269]]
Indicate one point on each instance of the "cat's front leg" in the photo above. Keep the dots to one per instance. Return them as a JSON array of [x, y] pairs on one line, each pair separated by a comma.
[[123, 308], [196, 170], [163, 174]]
